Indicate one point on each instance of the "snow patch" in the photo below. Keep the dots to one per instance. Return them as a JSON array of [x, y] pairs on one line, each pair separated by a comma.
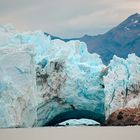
[[136, 21], [127, 28]]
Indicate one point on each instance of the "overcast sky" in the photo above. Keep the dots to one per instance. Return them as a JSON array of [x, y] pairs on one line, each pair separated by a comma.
[[67, 18]]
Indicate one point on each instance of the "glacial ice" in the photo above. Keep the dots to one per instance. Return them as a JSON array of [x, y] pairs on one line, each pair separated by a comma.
[[122, 83], [17, 87], [66, 78], [43, 81]]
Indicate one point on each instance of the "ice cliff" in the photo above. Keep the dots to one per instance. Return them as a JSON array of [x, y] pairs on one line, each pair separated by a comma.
[[44, 82], [17, 87], [122, 83]]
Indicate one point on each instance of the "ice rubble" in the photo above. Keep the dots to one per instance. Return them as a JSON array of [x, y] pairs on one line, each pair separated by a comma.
[[68, 80]]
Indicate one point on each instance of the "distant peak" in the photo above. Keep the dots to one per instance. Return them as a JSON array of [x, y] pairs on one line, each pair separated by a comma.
[[86, 35], [136, 15], [131, 20]]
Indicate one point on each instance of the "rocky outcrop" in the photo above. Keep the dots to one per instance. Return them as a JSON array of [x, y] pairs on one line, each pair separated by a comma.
[[79, 122], [124, 117]]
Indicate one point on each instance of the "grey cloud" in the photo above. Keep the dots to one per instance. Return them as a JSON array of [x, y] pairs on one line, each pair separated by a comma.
[[67, 18]]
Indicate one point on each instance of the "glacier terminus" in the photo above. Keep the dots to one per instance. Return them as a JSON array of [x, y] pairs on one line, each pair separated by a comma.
[[45, 82]]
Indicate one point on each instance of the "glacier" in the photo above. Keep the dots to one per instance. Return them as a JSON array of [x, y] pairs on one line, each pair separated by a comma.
[[45, 82]]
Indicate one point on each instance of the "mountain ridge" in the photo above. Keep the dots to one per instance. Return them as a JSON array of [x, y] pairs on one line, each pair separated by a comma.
[[120, 40]]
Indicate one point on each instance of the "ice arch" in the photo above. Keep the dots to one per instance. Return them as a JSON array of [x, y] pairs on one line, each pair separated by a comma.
[[76, 114]]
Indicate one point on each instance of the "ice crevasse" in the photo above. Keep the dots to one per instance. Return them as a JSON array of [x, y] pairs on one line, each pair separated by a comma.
[[44, 82]]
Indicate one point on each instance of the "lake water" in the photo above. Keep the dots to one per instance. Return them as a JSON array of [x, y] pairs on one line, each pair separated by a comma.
[[72, 133]]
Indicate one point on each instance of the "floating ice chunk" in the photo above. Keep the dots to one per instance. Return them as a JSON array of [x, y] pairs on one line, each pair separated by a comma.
[[79, 122]]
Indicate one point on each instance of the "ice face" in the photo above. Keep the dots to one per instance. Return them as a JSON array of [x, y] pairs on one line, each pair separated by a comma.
[[17, 87], [71, 79]]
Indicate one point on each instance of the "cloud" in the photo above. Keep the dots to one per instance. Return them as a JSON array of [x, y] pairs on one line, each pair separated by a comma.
[[67, 18]]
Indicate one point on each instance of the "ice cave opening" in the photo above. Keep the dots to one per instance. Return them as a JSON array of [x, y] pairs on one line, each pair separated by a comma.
[[76, 114]]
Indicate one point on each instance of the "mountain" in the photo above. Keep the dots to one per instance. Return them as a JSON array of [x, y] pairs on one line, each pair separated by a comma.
[[121, 40]]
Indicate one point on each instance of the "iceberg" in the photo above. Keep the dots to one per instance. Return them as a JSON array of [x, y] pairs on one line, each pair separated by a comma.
[[79, 122]]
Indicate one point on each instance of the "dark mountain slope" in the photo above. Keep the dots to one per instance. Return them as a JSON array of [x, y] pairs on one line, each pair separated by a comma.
[[121, 40]]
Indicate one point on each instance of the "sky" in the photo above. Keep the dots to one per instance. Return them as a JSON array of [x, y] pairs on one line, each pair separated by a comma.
[[67, 18]]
